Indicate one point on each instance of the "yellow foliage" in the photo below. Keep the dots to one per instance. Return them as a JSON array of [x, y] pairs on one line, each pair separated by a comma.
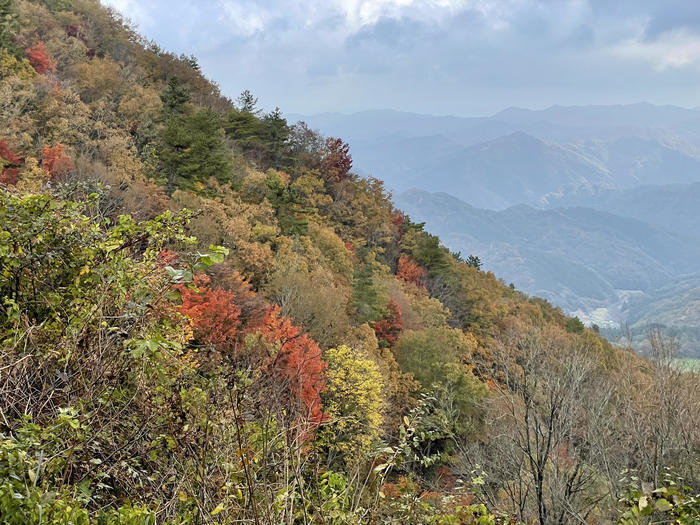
[[352, 402]]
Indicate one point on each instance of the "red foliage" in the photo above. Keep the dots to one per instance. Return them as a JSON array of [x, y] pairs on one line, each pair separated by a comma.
[[39, 58], [389, 328], [214, 314], [56, 161], [166, 258], [299, 360], [9, 174], [410, 271], [337, 161], [397, 219]]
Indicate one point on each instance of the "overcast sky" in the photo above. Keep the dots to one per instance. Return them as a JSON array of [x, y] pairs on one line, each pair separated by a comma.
[[461, 57]]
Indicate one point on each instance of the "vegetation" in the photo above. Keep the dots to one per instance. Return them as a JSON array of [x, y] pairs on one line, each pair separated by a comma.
[[207, 317]]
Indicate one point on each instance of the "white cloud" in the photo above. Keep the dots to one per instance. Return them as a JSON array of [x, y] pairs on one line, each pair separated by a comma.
[[674, 49]]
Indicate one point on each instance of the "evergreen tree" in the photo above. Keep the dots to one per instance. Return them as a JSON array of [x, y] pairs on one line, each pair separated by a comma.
[[287, 204], [474, 262], [276, 137], [247, 103], [367, 304], [192, 150], [175, 96]]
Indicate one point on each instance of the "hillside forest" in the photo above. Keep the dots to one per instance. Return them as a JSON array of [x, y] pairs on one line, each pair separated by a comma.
[[206, 316]]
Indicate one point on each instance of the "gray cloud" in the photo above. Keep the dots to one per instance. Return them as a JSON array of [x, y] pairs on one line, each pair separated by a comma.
[[437, 56]]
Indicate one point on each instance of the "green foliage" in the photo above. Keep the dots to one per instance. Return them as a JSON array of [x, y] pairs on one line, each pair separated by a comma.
[[175, 96], [430, 253], [367, 304], [673, 502], [193, 150], [474, 262], [8, 26], [140, 376], [574, 325], [287, 204]]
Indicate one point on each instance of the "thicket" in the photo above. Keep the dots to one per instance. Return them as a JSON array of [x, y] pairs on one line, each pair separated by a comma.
[[207, 317]]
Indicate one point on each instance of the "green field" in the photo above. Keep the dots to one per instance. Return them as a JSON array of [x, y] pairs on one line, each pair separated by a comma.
[[692, 364]]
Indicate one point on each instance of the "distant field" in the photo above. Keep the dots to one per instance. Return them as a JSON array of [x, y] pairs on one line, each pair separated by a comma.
[[687, 364]]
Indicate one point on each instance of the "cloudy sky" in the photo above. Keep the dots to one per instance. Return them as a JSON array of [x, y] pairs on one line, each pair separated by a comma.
[[462, 57]]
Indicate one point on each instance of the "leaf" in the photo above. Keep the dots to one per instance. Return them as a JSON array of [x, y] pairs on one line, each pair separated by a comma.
[[644, 507], [219, 508], [663, 505]]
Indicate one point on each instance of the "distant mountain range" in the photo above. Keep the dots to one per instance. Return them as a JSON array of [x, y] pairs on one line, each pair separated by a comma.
[[596, 208], [522, 156]]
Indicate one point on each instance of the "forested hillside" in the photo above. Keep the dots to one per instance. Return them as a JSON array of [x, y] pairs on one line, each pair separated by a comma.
[[206, 316]]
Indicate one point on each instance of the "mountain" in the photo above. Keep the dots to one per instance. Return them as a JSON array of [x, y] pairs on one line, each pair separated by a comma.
[[208, 317], [580, 258], [524, 156], [642, 114], [513, 169], [673, 208]]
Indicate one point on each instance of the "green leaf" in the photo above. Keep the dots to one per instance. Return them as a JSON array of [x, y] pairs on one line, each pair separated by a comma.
[[663, 505]]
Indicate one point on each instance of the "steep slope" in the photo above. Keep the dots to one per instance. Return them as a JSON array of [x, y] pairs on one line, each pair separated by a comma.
[[208, 317], [576, 257]]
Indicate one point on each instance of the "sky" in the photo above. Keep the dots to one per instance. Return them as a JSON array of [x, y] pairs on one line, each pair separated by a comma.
[[456, 57]]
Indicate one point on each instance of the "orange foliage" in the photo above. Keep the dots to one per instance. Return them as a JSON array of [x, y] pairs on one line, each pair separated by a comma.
[[299, 360], [39, 59], [389, 328], [56, 161], [214, 314], [410, 271]]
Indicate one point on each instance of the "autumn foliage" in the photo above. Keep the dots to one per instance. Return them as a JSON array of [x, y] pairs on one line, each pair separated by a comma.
[[337, 161], [298, 359], [10, 164], [389, 328], [409, 271], [39, 59], [56, 161], [214, 315], [293, 357]]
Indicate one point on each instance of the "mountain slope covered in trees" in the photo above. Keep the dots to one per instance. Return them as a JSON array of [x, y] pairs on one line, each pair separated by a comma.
[[207, 317]]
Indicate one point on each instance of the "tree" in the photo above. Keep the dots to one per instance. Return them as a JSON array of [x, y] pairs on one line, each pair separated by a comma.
[[298, 361], [276, 136], [352, 402], [247, 103], [56, 161], [215, 316], [409, 271], [389, 328], [9, 164], [9, 26], [366, 303], [574, 325], [193, 150], [39, 59], [336, 161], [547, 444], [474, 262], [175, 95]]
